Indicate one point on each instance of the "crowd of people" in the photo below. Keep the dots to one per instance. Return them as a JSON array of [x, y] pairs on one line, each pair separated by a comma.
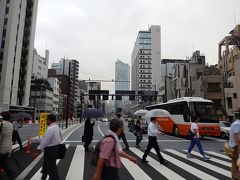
[[111, 151]]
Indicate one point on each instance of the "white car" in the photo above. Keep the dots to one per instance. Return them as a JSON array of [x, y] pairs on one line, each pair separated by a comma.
[[225, 128]]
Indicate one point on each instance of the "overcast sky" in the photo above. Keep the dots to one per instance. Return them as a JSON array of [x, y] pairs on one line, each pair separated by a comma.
[[98, 32]]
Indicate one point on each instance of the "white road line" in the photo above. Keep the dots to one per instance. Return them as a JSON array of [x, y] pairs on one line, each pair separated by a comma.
[[76, 168], [218, 154], [202, 163], [70, 134], [168, 173], [135, 170], [100, 130], [38, 174], [213, 159], [187, 167]]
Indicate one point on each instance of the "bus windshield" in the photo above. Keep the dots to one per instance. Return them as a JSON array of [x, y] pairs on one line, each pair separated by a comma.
[[204, 111]]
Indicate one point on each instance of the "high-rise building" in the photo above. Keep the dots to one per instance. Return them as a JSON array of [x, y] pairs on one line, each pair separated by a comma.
[[122, 77], [69, 67], [17, 32], [146, 56], [40, 65]]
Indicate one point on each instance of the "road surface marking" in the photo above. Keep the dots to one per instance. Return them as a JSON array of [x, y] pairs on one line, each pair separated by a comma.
[[135, 170], [76, 168], [202, 163], [212, 159], [168, 173], [187, 167], [218, 154]]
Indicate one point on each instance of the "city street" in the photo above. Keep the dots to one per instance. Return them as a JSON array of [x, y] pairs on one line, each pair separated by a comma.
[[76, 164]]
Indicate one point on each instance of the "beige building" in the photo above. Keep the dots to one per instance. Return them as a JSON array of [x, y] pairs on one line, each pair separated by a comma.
[[229, 64], [213, 83]]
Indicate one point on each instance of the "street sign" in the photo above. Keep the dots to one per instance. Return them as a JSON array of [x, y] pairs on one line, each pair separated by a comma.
[[43, 123]]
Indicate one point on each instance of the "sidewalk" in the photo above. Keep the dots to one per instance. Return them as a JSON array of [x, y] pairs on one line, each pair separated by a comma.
[[28, 161]]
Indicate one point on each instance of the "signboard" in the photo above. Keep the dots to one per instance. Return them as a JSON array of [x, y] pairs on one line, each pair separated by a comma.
[[43, 123]]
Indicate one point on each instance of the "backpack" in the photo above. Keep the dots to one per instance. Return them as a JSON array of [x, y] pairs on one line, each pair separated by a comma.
[[96, 152]]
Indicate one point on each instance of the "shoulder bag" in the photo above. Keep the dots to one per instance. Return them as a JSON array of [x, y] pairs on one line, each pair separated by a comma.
[[62, 149]]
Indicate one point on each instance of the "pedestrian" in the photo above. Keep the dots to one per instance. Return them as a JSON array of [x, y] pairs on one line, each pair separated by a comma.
[[15, 136], [110, 152], [88, 133], [196, 140], [234, 142], [138, 132], [49, 145], [152, 141], [119, 116], [6, 144]]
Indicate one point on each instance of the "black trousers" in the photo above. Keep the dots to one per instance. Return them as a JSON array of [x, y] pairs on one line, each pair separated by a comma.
[[4, 164], [16, 137], [109, 173], [49, 166], [138, 138], [124, 139], [152, 143], [87, 143]]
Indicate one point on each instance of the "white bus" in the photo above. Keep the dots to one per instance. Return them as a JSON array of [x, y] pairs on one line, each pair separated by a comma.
[[182, 110]]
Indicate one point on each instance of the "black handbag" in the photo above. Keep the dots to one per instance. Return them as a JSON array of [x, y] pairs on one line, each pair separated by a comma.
[[61, 151], [190, 135]]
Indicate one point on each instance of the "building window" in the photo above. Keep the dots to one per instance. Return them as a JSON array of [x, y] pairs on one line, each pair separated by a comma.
[[229, 102], [7, 10], [5, 21], [213, 87], [234, 95], [1, 55], [3, 44], [8, 1], [4, 32]]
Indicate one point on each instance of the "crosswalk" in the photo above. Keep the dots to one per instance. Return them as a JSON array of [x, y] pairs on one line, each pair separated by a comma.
[[76, 165]]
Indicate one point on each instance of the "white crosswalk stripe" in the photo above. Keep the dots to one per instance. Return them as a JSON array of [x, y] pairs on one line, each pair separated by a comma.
[[202, 163], [187, 167], [218, 154], [38, 174], [169, 174], [77, 161], [76, 167], [212, 159]]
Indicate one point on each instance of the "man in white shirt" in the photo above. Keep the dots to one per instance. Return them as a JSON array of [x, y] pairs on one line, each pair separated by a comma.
[[49, 145], [152, 141]]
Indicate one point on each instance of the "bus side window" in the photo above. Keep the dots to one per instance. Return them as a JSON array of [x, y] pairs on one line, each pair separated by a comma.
[[186, 112]]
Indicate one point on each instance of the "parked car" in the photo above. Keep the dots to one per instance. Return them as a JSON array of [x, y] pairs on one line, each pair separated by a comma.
[[225, 128]]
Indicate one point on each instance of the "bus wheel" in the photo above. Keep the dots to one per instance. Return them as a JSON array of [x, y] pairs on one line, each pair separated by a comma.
[[223, 135], [175, 131]]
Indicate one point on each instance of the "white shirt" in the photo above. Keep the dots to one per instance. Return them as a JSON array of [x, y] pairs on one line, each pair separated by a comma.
[[52, 137], [194, 127], [153, 129], [15, 125], [6, 142]]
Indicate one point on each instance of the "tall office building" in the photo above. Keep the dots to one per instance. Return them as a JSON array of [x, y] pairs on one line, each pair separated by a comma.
[[146, 56], [69, 67], [122, 77], [17, 32]]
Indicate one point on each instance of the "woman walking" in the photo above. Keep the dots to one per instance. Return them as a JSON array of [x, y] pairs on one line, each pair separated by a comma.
[[196, 140], [88, 133]]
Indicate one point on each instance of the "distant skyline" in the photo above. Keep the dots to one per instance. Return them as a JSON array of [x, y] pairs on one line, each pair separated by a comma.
[[97, 33]]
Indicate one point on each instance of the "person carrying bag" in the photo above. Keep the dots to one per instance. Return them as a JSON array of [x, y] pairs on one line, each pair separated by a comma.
[[50, 145]]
